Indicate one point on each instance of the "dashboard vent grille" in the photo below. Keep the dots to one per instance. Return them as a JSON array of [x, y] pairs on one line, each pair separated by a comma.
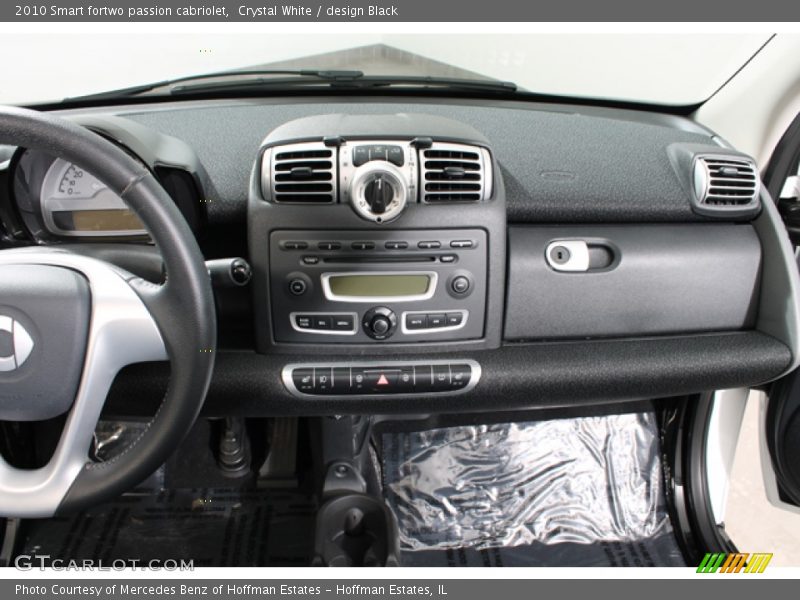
[[722, 182], [300, 173], [455, 173]]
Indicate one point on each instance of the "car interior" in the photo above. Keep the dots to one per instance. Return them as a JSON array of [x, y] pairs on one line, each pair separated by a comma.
[[326, 318]]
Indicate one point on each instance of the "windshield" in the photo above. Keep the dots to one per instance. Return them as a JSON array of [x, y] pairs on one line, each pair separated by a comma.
[[668, 69]]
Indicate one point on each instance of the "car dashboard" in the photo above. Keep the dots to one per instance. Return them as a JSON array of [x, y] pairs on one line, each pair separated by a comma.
[[424, 255]]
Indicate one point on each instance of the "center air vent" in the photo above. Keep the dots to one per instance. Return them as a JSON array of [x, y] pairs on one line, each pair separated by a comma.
[[300, 173], [455, 173], [725, 183]]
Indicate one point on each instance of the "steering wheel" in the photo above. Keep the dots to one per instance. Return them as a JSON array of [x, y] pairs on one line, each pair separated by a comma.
[[69, 323]]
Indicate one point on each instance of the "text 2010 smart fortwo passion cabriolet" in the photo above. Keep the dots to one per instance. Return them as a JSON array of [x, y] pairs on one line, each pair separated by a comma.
[[379, 306]]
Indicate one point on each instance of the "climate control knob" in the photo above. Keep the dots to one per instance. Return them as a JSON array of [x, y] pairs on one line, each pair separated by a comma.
[[379, 191], [379, 322]]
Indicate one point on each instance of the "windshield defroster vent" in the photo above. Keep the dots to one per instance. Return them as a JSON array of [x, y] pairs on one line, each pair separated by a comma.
[[726, 183], [300, 173], [455, 173]]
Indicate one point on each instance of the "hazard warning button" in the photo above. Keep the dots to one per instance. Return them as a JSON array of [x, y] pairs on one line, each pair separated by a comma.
[[382, 380]]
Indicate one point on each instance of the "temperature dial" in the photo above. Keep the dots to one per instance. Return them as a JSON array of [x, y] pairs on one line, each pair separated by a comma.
[[379, 191]]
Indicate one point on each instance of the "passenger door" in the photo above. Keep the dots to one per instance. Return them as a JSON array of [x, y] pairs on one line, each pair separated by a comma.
[[780, 416]]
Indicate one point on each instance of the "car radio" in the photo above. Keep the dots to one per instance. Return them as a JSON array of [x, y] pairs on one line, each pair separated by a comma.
[[357, 287]]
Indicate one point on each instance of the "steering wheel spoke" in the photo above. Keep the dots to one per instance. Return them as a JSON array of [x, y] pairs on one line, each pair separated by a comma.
[[121, 332]]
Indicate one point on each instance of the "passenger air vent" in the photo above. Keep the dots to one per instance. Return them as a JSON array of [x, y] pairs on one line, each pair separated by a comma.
[[725, 183], [455, 173], [300, 173]]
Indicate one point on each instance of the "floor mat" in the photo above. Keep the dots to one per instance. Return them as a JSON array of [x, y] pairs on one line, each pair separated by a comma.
[[212, 527], [564, 492]]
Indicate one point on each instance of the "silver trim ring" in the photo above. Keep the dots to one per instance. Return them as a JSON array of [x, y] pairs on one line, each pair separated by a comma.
[[369, 172], [329, 295]]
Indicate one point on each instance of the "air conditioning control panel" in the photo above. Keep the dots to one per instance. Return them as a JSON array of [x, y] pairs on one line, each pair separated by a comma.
[[378, 178]]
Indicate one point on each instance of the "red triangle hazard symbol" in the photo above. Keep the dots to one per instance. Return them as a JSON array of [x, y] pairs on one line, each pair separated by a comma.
[[382, 380]]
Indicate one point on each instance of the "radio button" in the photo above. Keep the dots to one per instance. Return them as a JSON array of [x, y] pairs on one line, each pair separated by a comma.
[[460, 285], [310, 260], [303, 380], [454, 319], [379, 322], [436, 320], [342, 322], [341, 380], [423, 378], [298, 287], [380, 325], [304, 321], [416, 321], [447, 258], [323, 380], [294, 245], [362, 245], [322, 322], [329, 246], [429, 245], [460, 376], [396, 245], [441, 377], [462, 244]]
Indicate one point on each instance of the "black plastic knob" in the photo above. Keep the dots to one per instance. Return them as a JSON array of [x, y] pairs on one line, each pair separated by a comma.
[[460, 285], [298, 287], [380, 325], [379, 322], [378, 193]]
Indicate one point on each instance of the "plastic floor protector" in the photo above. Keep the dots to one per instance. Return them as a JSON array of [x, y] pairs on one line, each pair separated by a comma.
[[565, 492]]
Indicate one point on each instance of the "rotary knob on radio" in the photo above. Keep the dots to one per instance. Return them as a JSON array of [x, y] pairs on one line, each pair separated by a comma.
[[379, 191], [379, 322]]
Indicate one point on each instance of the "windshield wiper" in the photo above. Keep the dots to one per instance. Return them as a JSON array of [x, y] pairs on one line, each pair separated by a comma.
[[344, 81], [259, 76]]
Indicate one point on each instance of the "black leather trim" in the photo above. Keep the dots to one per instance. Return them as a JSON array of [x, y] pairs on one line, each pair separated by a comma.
[[182, 307]]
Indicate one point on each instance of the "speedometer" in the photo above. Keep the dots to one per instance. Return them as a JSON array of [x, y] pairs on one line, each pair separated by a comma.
[[76, 203]]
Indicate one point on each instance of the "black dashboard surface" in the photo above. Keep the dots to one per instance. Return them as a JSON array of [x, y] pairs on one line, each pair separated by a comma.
[[559, 165]]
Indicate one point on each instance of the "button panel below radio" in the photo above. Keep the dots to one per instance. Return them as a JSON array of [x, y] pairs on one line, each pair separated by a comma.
[[325, 323], [382, 379], [433, 321]]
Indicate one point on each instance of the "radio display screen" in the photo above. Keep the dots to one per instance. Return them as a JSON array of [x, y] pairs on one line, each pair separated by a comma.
[[379, 286]]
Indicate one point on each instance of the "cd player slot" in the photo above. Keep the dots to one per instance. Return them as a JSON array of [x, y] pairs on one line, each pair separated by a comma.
[[333, 260], [371, 288]]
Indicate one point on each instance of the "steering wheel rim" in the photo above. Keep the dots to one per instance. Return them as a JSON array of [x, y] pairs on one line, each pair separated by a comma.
[[181, 317]]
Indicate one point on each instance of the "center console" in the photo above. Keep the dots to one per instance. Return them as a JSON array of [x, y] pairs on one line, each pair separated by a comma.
[[373, 235]]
